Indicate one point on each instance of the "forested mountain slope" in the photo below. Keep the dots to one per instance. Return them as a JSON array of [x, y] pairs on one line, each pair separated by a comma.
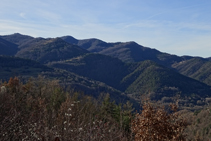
[[193, 67], [139, 77], [127, 52], [197, 68], [47, 50], [25, 68], [12, 66], [127, 67]]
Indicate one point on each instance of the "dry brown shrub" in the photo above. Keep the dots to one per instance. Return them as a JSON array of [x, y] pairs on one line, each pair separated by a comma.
[[155, 124]]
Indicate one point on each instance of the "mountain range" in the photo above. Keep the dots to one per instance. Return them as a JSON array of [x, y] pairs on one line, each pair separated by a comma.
[[123, 68]]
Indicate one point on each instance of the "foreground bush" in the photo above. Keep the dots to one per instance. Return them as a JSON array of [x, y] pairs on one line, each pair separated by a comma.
[[41, 110], [155, 124]]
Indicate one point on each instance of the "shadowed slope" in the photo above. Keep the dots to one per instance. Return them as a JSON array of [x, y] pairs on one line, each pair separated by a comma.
[[7, 48]]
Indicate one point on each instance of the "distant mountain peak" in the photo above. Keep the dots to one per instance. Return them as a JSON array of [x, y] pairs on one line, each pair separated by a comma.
[[19, 34], [69, 39], [16, 34], [17, 38], [131, 44]]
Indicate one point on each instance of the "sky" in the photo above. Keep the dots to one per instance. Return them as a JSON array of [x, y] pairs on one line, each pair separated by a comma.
[[180, 27]]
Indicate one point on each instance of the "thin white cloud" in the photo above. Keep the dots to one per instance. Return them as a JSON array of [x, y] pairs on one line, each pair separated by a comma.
[[194, 26], [22, 15], [169, 25], [196, 46], [48, 16]]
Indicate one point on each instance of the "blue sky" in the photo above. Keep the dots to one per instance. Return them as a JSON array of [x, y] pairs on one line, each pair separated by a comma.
[[181, 27]]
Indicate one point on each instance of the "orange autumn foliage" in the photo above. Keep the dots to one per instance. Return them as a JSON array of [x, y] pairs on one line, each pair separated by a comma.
[[155, 124]]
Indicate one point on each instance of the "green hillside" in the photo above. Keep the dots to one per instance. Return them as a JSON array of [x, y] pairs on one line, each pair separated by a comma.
[[196, 68], [142, 77], [151, 77]]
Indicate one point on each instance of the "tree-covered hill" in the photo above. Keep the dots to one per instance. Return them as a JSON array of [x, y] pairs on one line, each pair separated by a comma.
[[17, 38], [197, 68], [13, 66], [125, 70], [125, 51], [193, 67], [142, 77], [48, 50], [150, 77], [25, 69], [126, 67]]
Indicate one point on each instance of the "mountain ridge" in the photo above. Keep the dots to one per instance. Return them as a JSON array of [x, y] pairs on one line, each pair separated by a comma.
[[126, 66], [127, 51], [133, 78], [47, 50]]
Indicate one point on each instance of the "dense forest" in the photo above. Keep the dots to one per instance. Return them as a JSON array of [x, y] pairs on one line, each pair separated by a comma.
[[68, 89]]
